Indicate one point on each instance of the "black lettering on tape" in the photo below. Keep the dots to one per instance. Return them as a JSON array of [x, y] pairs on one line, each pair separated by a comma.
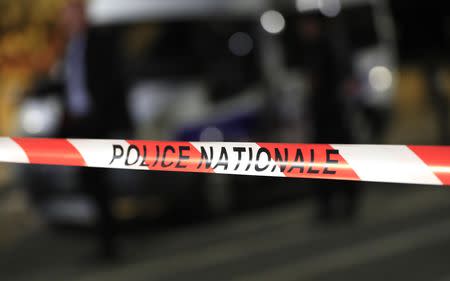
[[129, 150], [298, 162], [157, 156], [164, 156], [250, 158], [182, 156], [279, 160], [311, 167], [144, 157], [204, 156], [258, 156], [239, 150], [223, 159], [330, 152], [117, 152]]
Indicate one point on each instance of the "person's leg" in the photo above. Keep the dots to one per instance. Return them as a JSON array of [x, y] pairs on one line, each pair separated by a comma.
[[94, 183], [351, 194], [325, 203]]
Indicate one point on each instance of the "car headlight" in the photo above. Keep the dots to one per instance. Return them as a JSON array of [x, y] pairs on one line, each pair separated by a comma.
[[40, 116], [380, 78]]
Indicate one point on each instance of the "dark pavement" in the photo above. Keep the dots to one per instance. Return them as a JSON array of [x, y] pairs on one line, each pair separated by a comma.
[[402, 233]]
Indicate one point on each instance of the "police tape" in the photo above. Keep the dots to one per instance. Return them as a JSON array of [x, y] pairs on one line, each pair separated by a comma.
[[378, 163]]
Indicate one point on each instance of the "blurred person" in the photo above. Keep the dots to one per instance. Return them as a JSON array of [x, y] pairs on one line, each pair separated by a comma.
[[95, 106], [427, 43], [438, 99], [434, 38], [319, 48], [436, 42]]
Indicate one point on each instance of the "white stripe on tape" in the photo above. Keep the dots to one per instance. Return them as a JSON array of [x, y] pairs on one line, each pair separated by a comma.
[[10, 151], [387, 163], [99, 153]]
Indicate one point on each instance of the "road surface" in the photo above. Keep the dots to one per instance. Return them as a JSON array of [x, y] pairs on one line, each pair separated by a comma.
[[402, 233]]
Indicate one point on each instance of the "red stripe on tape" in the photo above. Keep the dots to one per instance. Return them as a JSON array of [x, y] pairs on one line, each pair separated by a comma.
[[50, 151], [437, 158]]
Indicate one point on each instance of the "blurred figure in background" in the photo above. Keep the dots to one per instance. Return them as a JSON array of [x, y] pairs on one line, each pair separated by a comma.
[[434, 61], [427, 44], [96, 107], [321, 50]]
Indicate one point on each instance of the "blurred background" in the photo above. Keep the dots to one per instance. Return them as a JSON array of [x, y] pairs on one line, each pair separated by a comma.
[[301, 71]]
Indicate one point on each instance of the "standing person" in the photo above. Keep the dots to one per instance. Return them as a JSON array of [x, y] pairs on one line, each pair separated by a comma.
[[321, 52], [95, 106]]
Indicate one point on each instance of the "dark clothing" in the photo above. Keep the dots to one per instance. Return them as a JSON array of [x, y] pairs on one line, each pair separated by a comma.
[[320, 50], [331, 125], [106, 117], [106, 89], [322, 53], [93, 183]]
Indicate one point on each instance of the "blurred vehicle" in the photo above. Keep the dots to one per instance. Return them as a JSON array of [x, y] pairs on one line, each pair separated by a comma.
[[212, 89], [375, 62]]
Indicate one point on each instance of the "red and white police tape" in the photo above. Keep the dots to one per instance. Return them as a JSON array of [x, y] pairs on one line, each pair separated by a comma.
[[379, 163]]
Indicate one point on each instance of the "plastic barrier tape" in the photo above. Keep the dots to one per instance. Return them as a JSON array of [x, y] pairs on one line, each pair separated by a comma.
[[380, 163]]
